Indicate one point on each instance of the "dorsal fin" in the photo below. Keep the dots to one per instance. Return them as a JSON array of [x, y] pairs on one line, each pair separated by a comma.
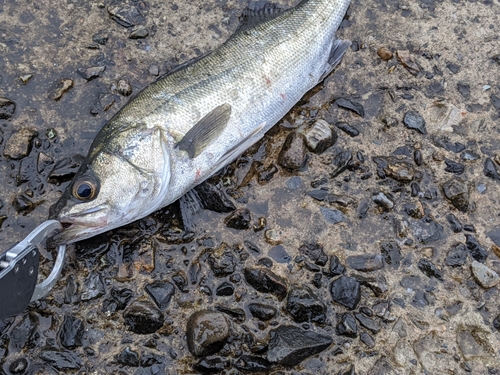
[[258, 12]]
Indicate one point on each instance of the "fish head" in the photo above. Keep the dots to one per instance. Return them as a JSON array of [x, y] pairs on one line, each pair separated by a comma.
[[119, 182]]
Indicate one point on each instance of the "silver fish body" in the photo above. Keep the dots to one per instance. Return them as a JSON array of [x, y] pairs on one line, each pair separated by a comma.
[[181, 129]]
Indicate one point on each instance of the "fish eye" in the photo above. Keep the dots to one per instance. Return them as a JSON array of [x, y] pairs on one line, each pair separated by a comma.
[[85, 189]]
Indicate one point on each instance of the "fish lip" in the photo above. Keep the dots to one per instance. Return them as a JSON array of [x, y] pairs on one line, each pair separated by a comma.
[[76, 228]]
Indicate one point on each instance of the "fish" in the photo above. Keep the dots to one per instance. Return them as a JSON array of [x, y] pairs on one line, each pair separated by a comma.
[[184, 127]]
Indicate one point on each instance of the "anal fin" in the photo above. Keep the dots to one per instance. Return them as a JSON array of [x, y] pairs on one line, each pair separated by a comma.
[[337, 51]]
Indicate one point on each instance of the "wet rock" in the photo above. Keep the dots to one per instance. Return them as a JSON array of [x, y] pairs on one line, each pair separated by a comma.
[[7, 108], [370, 324], [210, 366], [365, 262], [225, 289], [26, 170], [455, 225], [71, 332], [319, 136], [262, 311], [490, 170], [65, 169], [20, 144], [106, 101], [43, 162], [335, 268], [484, 276], [265, 281], [138, 32], [239, 219], [222, 261], [93, 287], [384, 53], [250, 363], [143, 317], [19, 366], [125, 15], [476, 251], [304, 306], [346, 291], [61, 360], [348, 129], [413, 120], [123, 87], [91, 73], [457, 256], [453, 167], [383, 201], [23, 333], [408, 62], [293, 153], [62, 87], [332, 215], [347, 326], [161, 293], [238, 314], [213, 198], [315, 253], [207, 332], [429, 269], [458, 194], [120, 298], [128, 357], [352, 106], [290, 345], [181, 281], [340, 162]]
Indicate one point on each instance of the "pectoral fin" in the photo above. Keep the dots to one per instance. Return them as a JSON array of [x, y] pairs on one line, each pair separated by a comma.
[[205, 131]]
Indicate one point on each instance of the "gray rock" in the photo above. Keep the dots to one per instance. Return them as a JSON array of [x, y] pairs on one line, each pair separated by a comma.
[[293, 153], [365, 262], [62, 86], [71, 332], [7, 108], [20, 144], [207, 332], [94, 287], [485, 277], [304, 306], [154, 70], [262, 311], [332, 215], [143, 317], [458, 194], [346, 291], [383, 201], [91, 73], [319, 136], [161, 293], [123, 87], [62, 360], [138, 32], [265, 281], [413, 120]]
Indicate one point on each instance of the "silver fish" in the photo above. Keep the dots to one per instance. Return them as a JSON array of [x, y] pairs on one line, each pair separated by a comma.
[[183, 128]]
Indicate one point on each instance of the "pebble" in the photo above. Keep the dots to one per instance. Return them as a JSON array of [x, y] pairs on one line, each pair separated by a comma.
[[332, 215], [457, 256], [238, 314], [365, 262], [65, 169], [19, 366], [128, 357], [93, 287], [391, 252], [385, 53], [395, 168], [340, 162], [293, 153], [222, 261], [408, 62], [304, 306], [251, 363], [91, 73], [485, 277], [476, 251], [368, 323], [210, 366], [413, 120], [207, 332], [429, 269], [138, 32], [62, 360], [125, 15], [262, 311], [319, 137], [352, 106], [123, 87], [335, 268], [143, 317], [347, 128], [464, 90], [383, 201], [118, 301], [225, 289], [7, 108], [368, 340], [99, 39], [347, 326], [71, 332], [290, 345], [414, 210], [458, 194], [455, 224], [20, 144], [454, 167], [490, 170], [213, 198], [239, 219], [315, 253], [161, 292], [346, 291], [265, 281], [494, 235], [62, 87]]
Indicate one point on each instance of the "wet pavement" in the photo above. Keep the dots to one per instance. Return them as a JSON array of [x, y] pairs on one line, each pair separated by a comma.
[[377, 255]]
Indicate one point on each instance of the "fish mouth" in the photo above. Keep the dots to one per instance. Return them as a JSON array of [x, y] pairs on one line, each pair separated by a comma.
[[81, 226]]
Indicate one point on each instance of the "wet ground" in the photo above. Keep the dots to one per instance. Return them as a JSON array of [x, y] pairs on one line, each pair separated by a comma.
[[383, 250]]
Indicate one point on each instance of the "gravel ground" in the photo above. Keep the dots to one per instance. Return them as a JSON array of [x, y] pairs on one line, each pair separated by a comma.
[[377, 255]]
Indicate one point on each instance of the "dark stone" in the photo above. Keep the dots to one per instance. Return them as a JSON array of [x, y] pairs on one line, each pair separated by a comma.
[[454, 68], [370, 324], [469, 156], [222, 261], [23, 204], [121, 297], [91, 73], [476, 251], [181, 281], [340, 162], [71, 332], [469, 228], [332, 215], [464, 90], [207, 332], [261, 311], [335, 268], [413, 120], [279, 254], [348, 129], [161, 293], [128, 357], [320, 136], [494, 235], [346, 291], [210, 366], [19, 366], [428, 231], [143, 317], [455, 225], [7, 108], [93, 287], [414, 210], [446, 144], [293, 153], [290, 345], [265, 281], [64, 170], [429, 269], [315, 252], [490, 170], [304, 306], [266, 262], [311, 266], [347, 326], [453, 167], [352, 106], [366, 339], [213, 198], [391, 252], [495, 100], [457, 256], [496, 323], [250, 363], [238, 314], [225, 289], [61, 360], [125, 15], [365, 262], [239, 219], [377, 284], [138, 32]]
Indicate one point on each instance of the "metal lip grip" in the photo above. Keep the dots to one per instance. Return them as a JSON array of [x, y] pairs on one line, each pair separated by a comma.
[[19, 271]]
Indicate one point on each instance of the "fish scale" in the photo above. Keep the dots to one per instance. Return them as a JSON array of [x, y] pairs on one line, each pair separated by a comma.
[[184, 127]]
